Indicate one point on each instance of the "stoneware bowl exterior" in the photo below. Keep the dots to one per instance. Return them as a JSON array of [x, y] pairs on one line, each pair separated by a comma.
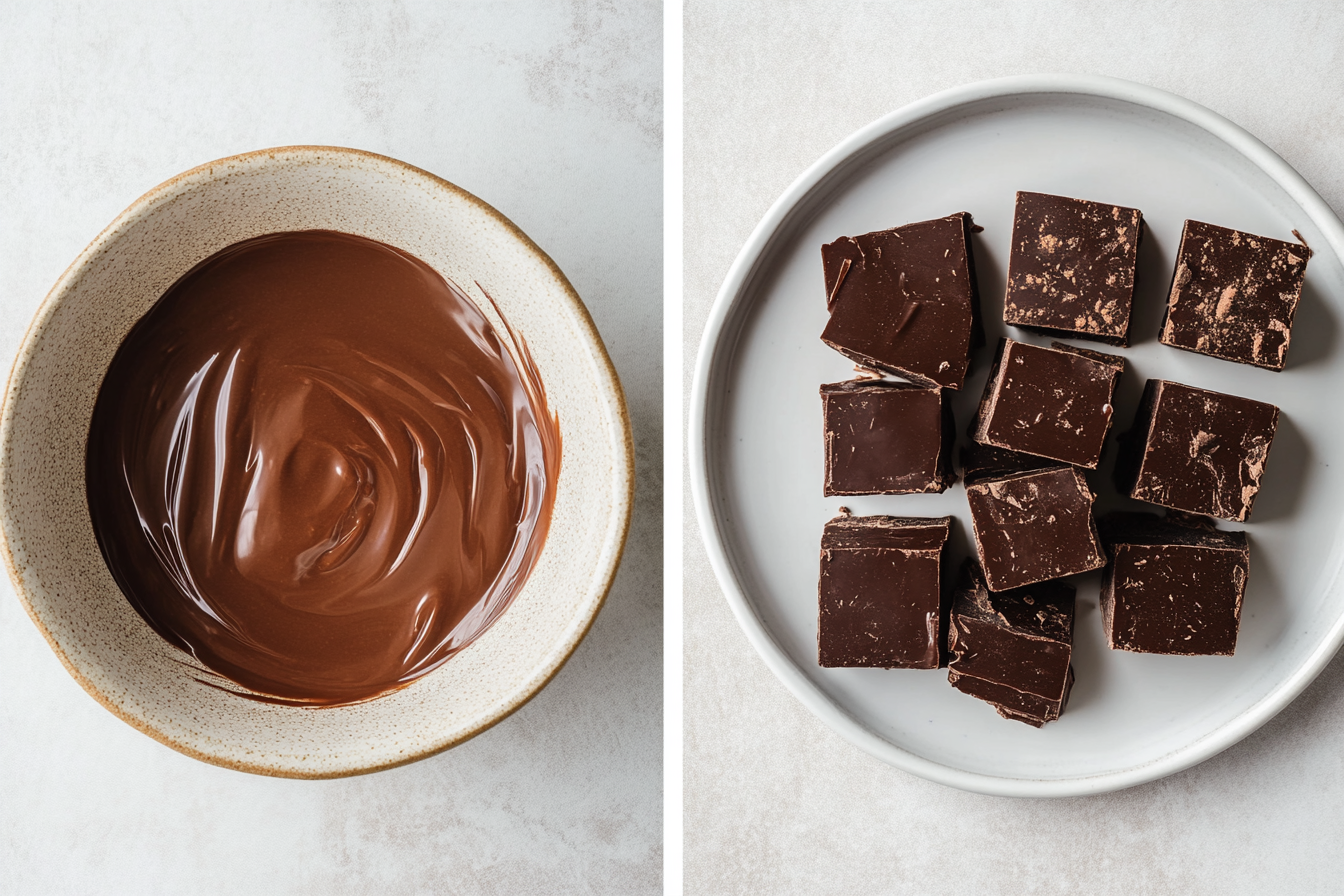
[[49, 543]]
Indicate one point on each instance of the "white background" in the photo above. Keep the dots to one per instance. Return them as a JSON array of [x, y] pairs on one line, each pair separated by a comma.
[[552, 113], [777, 803]]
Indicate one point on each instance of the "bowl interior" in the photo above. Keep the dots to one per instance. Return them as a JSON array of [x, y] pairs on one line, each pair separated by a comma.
[[55, 561]]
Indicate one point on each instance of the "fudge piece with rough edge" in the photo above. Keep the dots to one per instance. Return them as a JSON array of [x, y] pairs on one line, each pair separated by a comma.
[[880, 596], [1174, 585], [1196, 450], [1073, 267], [904, 301], [1012, 649], [1234, 295], [885, 438], [1053, 402]]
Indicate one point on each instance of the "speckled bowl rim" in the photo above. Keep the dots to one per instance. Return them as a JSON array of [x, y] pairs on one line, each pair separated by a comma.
[[609, 381]]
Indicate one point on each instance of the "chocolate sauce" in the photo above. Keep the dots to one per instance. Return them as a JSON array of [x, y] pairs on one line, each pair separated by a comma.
[[316, 467]]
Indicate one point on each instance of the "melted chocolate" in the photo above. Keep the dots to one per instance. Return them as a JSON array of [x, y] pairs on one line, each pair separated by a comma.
[[315, 466]]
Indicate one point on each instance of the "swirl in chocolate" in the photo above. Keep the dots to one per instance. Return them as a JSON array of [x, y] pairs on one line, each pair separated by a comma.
[[315, 467]]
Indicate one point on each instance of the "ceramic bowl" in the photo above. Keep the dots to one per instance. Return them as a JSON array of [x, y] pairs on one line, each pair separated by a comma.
[[49, 544]]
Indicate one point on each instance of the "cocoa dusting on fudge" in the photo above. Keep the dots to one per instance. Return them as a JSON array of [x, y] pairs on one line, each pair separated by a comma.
[[1234, 295], [1072, 268], [1196, 450]]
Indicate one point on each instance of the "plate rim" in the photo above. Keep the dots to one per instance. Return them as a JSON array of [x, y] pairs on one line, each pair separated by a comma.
[[872, 139]]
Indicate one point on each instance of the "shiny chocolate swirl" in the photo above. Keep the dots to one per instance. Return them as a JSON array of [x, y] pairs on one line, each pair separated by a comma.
[[315, 466]]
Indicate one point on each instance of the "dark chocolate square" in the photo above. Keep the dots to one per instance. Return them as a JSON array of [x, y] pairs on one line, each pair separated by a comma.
[[981, 461], [1234, 295], [1052, 402], [885, 438], [904, 301], [1196, 450], [1072, 267], [1171, 588], [880, 596], [1013, 649], [1033, 526]]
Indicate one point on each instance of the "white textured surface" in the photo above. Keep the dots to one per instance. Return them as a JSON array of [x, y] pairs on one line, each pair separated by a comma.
[[776, 803], [552, 114]]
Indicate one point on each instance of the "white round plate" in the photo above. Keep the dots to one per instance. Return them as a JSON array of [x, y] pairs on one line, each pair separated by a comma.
[[756, 446]]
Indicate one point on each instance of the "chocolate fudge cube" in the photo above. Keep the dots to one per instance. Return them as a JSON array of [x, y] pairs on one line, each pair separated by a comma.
[[885, 438], [1196, 450], [1013, 649], [904, 301], [980, 461], [1072, 267], [1234, 294], [1171, 588], [880, 595], [1033, 526], [1052, 402]]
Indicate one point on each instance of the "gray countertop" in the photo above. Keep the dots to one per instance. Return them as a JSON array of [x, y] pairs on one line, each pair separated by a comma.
[[553, 114], [776, 802]]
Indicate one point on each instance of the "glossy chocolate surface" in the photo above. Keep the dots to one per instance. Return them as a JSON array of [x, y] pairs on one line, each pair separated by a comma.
[[904, 301], [880, 593], [1196, 450], [1172, 588], [885, 438], [1072, 267], [1051, 402], [980, 461], [1013, 649], [315, 466], [1033, 526], [1234, 295]]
